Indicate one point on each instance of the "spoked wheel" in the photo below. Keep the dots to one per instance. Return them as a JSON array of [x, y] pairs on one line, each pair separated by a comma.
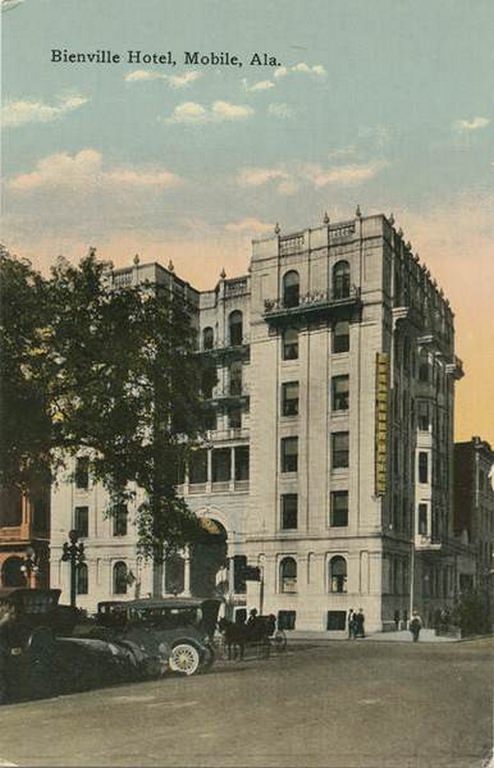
[[184, 659], [279, 641]]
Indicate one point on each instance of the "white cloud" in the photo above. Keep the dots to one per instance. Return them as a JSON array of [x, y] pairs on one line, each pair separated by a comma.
[[7, 5], [220, 111], [181, 81], [175, 81], [318, 70], [84, 171], [465, 126], [248, 225], [343, 175], [256, 177], [21, 112], [281, 110], [261, 85]]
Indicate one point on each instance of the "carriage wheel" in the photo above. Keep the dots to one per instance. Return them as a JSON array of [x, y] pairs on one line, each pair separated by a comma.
[[279, 641], [184, 659]]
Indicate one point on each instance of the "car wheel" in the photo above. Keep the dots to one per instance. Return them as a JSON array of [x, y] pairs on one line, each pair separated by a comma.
[[184, 659]]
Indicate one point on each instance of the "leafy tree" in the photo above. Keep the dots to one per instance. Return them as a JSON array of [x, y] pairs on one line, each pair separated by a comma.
[[115, 375]]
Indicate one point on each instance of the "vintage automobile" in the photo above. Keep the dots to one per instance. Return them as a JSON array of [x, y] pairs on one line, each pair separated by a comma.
[[181, 629], [46, 650]]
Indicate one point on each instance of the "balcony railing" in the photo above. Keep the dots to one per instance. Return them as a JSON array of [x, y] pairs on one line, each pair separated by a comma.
[[312, 303]]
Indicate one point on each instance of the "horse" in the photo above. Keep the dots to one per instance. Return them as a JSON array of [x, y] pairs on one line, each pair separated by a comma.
[[235, 637]]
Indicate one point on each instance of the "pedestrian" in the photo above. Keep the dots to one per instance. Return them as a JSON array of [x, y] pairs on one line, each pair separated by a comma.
[[397, 619], [350, 622], [359, 623], [415, 626]]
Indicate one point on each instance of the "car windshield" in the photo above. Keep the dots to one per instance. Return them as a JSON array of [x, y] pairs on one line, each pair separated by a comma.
[[166, 618]]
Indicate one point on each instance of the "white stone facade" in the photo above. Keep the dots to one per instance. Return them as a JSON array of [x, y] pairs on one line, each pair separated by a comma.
[[316, 425]]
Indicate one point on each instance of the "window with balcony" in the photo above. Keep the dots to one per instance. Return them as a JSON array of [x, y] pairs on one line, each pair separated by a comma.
[[341, 337], [289, 454], [235, 328], [289, 511], [242, 462], [337, 574], [221, 465], [423, 415], [82, 472], [288, 575], [423, 467], [120, 578], [207, 338], [198, 467], [235, 418], [290, 344], [339, 509], [235, 379], [81, 521], [289, 398], [341, 280], [291, 289], [340, 393], [340, 452]]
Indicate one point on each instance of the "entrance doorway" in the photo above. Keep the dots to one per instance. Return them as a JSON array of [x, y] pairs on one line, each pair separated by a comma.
[[208, 556]]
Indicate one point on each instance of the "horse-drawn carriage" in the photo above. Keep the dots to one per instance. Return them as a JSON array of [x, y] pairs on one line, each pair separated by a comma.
[[259, 632]]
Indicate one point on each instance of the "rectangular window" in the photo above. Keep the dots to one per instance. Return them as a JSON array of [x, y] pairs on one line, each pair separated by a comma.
[[340, 449], [341, 337], [239, 583], [221, 465], [286, 619], [198, 467], [81, 521], [340, 393], [423, 415], [82, 472], [423, 467], [423, 519], [289, 454], [235, 385], [289, 398], [336, 620], [290, 344], [242, 462], [289, 511], [339, 508]]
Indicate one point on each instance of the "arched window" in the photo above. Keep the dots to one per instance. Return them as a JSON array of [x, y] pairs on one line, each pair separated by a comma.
[[341, 280], [288, 575], [208, 338], [120, 578], [290, 344], [291, 289], [81, 583], [337, 574], [235, 329]]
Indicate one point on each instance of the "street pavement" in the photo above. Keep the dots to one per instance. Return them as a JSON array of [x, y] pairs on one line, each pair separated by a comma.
[[342, 705]]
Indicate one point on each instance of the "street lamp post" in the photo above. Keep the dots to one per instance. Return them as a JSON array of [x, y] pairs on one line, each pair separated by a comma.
[[74, 554], [30, 567]]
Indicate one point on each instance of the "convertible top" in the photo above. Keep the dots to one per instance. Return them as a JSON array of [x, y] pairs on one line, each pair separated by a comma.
[[162, 602]]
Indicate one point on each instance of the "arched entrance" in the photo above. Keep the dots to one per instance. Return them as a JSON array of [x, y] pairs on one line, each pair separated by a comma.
[[208, 556], [12, 575]]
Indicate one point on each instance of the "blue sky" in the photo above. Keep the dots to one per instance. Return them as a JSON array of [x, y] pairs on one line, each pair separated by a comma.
[[385, 103]]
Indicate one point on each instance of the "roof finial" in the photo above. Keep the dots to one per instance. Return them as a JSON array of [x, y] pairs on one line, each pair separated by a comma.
[[358, 212], [400, 232], [223, 273], [277, 229], [326, 218], [391, 218], [409, 245], [136, 259], [91, 251], [171, 266]]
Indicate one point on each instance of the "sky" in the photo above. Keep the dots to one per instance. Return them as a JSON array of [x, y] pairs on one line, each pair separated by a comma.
[[383, 103]]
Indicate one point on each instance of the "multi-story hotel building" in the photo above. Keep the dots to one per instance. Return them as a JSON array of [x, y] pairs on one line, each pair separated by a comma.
[[329, 460]]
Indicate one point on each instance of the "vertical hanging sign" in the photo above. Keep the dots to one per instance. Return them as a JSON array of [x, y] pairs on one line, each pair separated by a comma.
[[382, 394]]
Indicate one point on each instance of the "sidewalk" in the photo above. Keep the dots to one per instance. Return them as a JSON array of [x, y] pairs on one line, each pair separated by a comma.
[[402, 636]]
